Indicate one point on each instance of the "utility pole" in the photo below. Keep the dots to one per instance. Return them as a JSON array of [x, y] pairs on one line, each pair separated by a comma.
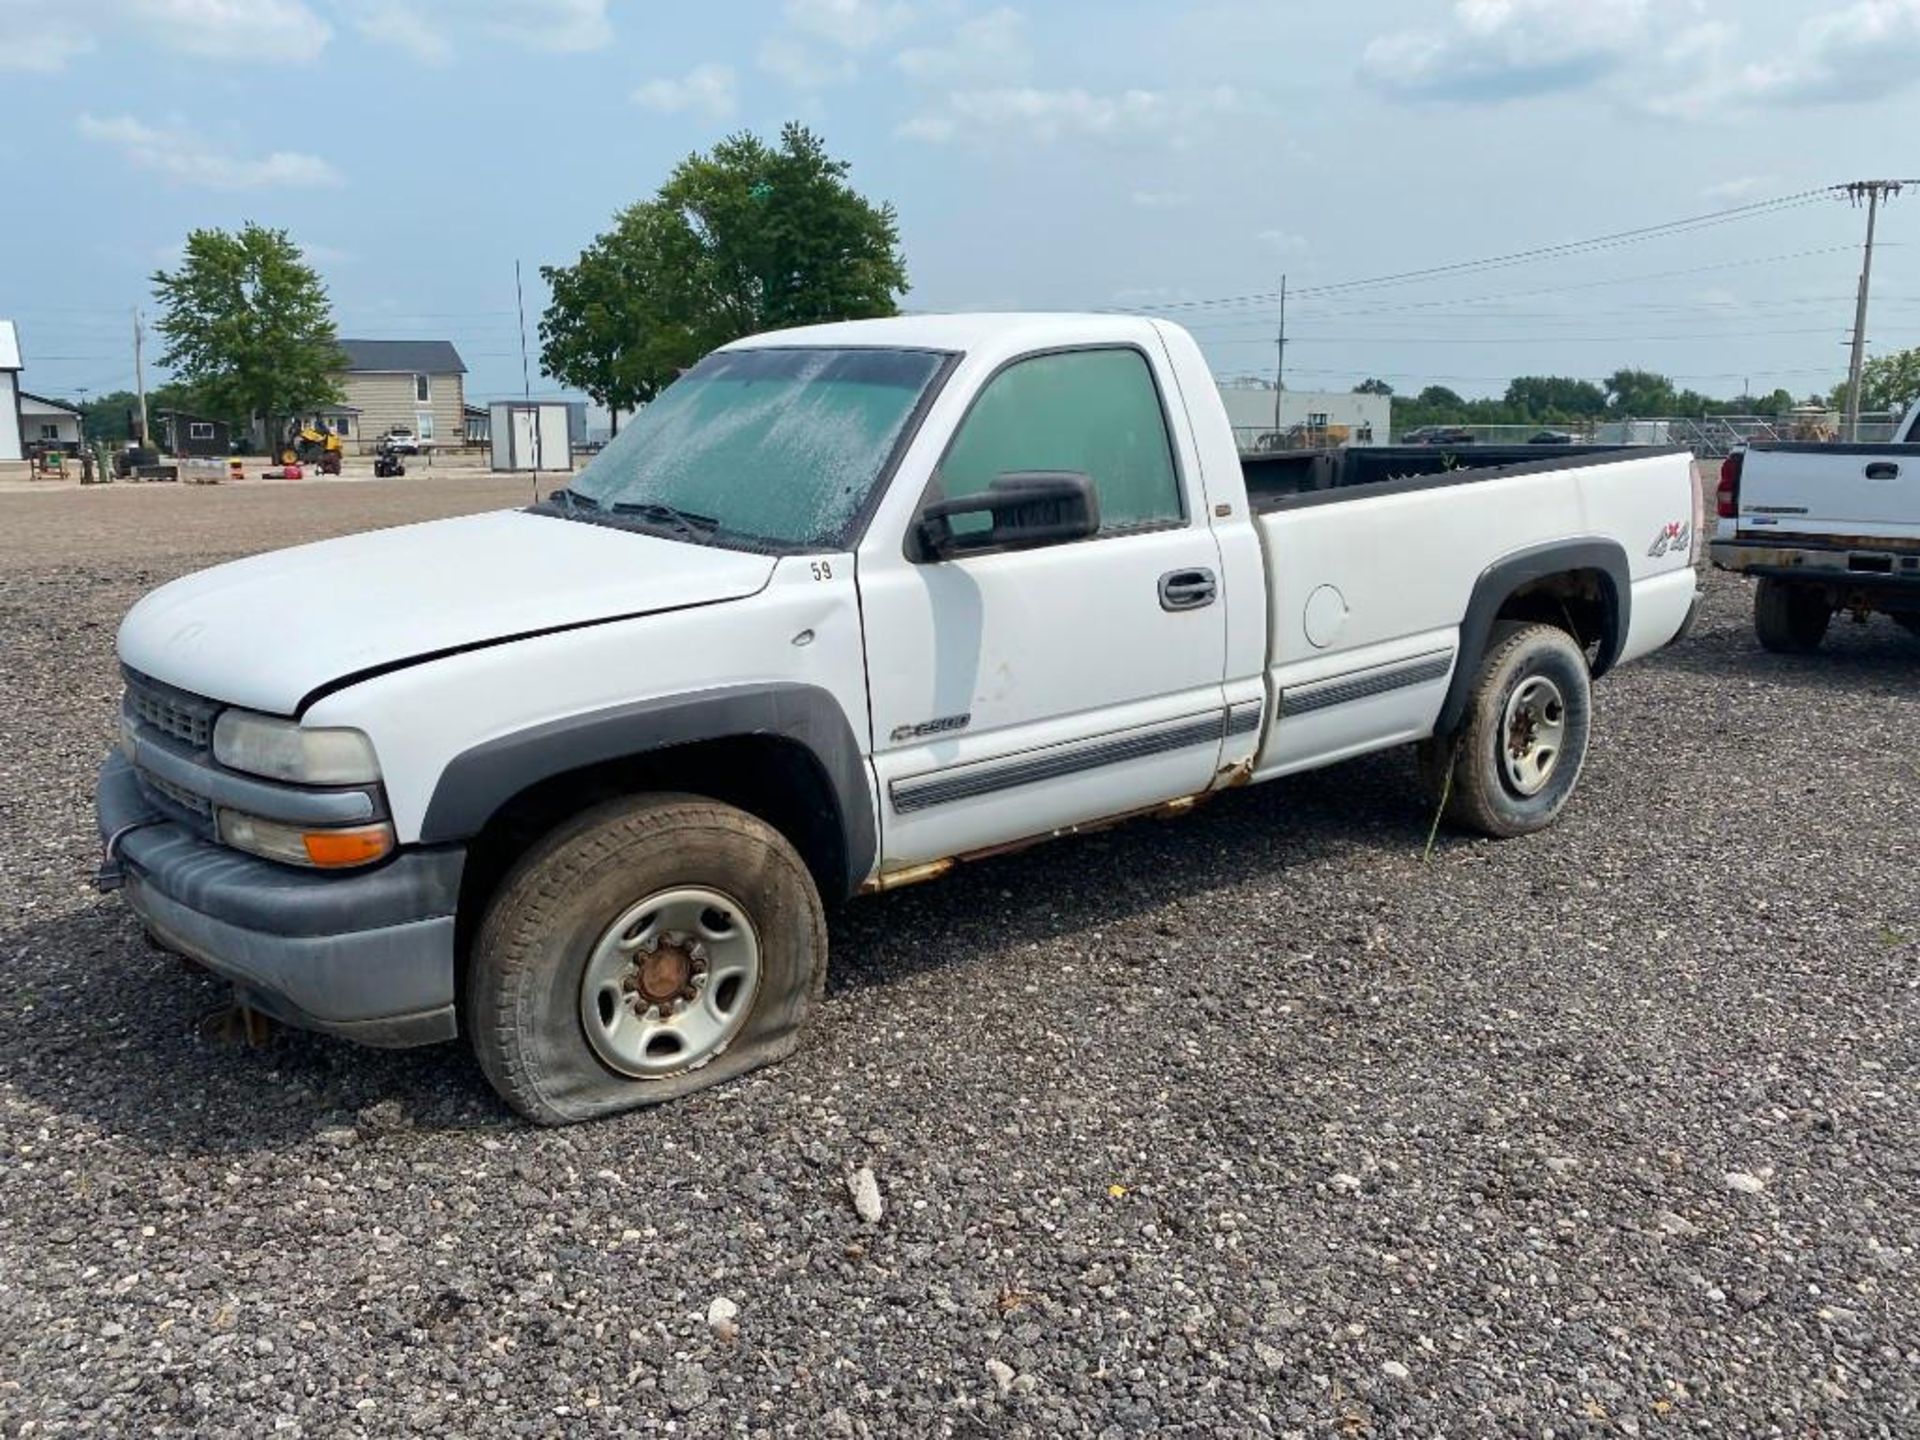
[[1280, 358], [1872, 191], [526, 379], [139, 376]]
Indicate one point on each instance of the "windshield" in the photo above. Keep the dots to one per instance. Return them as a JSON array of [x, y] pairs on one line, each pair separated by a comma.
[[774, 447]]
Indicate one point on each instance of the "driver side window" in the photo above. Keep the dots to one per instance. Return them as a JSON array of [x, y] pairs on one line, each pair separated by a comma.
[[1096, 412]]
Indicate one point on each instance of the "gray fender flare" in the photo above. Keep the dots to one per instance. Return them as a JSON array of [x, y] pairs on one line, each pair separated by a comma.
[[1500, 580], [477, 782]]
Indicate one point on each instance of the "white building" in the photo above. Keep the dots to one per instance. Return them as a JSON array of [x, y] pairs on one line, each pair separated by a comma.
[[10, 447], [1366, 419], [48, 422]]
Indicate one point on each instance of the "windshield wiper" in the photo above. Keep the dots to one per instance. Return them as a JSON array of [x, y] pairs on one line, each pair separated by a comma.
[[682, 522], [572, 500]]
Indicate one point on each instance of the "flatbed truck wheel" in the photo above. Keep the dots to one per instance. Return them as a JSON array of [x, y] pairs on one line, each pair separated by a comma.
[[649, 948], [1789, 619]]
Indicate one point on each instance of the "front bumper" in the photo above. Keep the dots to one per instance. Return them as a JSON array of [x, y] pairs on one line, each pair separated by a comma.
[[367, 955]]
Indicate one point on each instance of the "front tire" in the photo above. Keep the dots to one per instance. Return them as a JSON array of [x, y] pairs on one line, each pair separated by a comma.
[[648, 949], [1789, 619], [1518, 756]]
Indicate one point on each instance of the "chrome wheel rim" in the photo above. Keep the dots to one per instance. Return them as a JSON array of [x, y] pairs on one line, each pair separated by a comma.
[[1532, 734], [671, 982]]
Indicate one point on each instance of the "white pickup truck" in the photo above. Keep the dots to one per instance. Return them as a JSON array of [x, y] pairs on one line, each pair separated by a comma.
[[843, 608], [1824, 528]]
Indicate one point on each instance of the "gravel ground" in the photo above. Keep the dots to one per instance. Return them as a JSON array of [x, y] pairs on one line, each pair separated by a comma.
[[1252, 1123]]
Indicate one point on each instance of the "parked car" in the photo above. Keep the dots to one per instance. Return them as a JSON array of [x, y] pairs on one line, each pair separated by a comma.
[[1438, 435], [843, 608], [1550, 437], [400, 441], [1823, 528]]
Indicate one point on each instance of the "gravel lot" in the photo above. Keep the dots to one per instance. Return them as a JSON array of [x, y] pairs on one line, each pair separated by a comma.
[[1252, 1123]]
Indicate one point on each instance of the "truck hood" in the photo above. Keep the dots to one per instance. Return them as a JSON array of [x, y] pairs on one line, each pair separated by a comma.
[[266, 632]]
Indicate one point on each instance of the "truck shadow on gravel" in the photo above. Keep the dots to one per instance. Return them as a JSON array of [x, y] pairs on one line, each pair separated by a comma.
[[103, 1031], [1876, 658]]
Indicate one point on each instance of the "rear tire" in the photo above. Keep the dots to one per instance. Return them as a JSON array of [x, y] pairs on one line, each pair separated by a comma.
[[647, 949], [1517, 757], [1908, 623], [1789, 619]]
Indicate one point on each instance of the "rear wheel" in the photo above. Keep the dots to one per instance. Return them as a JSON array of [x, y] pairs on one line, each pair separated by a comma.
[[648, 949], [1515, 762], [1909, 623], [1789, 619]]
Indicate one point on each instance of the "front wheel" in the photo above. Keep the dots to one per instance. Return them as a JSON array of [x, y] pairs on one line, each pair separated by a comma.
[[1789, 619], [1517, 758], [650, 948]]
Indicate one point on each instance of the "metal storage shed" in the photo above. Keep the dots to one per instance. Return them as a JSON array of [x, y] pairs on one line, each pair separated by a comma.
[[530, 435]]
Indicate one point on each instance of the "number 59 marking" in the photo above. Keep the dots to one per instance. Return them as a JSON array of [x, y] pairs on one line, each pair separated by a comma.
[[822, 570]]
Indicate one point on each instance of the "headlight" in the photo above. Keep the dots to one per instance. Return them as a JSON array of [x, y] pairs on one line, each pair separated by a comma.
[[320, 849], [288, 750]]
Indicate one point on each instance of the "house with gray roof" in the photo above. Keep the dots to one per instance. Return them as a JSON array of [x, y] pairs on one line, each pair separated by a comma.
[[418, 385]]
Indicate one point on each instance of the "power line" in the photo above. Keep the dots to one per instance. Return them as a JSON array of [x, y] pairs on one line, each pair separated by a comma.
[[1538, 253]]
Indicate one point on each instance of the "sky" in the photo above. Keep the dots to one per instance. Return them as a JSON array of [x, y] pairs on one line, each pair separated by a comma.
[[1179, 156]]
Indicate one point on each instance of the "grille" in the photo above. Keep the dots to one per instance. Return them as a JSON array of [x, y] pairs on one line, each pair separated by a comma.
[[181, 717], [176, 795]]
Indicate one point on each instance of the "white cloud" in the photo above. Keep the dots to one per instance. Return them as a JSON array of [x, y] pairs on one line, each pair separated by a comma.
[[314, 253], [40, 37], [1286, 242], [990, 47], [179, 155], [804, 66], [405, 28], [1173, 117], [1494, 50], [565, 26], [856, 25], [232, 29], [1162, 199], [1741, 187], [1865, 51], [706, 90]]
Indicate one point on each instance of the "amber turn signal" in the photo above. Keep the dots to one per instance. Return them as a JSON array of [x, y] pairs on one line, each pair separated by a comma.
[[332, 849]]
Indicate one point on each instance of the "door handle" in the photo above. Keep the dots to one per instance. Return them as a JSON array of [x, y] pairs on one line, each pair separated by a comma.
[[1883, 470], [1188, 589]]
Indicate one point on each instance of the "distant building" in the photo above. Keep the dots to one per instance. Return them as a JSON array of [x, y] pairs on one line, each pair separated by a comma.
[[1365, 419], [48, 424], [479, 424], [194, 435], [418, 385], [10, 448], [531, 435]]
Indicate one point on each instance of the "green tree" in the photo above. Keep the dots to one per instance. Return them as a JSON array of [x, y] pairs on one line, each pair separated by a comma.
[[748, 237], [111, 417], [1639, 392], [1370, 386], [248, 325], [1554, 397], [1887, 382]]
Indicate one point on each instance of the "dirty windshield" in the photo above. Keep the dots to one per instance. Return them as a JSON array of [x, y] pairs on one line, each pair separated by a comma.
[[773, 447]]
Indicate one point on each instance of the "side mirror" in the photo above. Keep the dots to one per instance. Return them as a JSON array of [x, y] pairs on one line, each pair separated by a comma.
[[1029, 507]]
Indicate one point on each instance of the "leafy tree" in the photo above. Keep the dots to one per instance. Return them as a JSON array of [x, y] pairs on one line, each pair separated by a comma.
[[746, 238], [1553, 397], [1438, 397], [1887, 382], [1370, 386], [1639, 392], [111, 417], [248, 325]]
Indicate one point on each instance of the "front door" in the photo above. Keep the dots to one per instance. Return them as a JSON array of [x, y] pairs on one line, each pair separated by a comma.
[[1020, 692]]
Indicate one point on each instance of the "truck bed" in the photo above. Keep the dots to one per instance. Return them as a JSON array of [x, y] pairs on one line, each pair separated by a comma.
[[1318, 477]]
